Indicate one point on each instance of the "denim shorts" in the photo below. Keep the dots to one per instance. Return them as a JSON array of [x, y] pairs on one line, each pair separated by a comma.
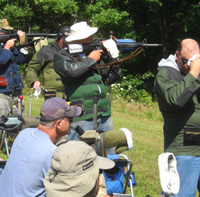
[[189, 172]]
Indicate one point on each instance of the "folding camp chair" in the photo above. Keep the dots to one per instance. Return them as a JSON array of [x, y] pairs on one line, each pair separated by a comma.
[[9, 124], [13, 124], [120, 177]]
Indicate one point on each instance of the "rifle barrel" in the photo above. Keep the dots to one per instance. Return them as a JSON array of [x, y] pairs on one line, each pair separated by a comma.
[[40, 35], [14, 35], [7, 36], [152, 45], [136, 44]]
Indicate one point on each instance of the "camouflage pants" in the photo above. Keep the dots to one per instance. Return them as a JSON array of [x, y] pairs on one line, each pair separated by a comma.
[[5, 105]]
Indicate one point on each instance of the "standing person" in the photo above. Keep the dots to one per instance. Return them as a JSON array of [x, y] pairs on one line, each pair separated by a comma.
[[11, 84], [177, 87], [82, 83], [33, 148], [43, 61]]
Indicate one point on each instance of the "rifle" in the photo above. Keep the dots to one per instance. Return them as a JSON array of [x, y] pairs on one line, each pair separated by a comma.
[[29, 38], [29, 35], [123, 45]]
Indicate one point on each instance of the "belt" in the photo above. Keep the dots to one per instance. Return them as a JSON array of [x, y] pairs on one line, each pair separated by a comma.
[[50, 94]]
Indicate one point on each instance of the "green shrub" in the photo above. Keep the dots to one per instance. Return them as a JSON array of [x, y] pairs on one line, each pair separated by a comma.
[[132, 88]]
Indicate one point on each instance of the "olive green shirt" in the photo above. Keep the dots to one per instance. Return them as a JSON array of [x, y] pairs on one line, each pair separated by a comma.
[[178, 98], [43, 61]]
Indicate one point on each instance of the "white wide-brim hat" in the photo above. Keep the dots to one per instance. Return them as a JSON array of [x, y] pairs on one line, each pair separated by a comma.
[[80, 31]]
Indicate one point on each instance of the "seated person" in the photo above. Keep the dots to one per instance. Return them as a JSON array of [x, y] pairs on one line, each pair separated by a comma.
[[33, 148], [74, 171]]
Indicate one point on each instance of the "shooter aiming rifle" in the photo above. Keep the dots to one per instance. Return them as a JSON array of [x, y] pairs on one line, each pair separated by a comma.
[[124, 46], [110, 70]]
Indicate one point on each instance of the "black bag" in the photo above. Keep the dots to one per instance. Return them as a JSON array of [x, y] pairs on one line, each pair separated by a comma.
[[191, 136], [12, 123]]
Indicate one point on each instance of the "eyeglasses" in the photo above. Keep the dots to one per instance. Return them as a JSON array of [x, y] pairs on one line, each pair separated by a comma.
[[185, 61], [69, 119]]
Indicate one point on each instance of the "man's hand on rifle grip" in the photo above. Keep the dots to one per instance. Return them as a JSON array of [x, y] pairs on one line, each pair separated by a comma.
[[10, 43], [95, 55]]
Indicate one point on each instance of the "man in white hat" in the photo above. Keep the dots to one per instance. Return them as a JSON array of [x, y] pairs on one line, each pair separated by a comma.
[[84, 85], [74, 171]]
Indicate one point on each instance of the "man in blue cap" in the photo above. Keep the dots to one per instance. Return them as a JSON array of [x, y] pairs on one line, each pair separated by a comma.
[[33, 148]]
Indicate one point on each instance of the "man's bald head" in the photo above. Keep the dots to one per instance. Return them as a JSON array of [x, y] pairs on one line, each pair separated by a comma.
[[189, 47], [186, 50]]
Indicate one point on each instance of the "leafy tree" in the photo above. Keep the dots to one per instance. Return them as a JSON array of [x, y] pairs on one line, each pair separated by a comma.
[[39, 15], [159, 21]]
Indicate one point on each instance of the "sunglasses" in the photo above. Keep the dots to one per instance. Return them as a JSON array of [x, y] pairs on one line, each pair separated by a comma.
[[185, 61]]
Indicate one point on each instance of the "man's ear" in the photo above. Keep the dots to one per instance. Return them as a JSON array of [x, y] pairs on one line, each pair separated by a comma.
[[177, 54], [59, 122]]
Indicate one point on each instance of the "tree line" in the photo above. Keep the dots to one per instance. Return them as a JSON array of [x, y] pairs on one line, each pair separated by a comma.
[[159, 21]]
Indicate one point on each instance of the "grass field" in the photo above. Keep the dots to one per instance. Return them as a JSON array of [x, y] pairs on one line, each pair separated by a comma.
[[146, 124]]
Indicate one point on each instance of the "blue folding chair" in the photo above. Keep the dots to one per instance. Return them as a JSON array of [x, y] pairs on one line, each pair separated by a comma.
[[120, 176]]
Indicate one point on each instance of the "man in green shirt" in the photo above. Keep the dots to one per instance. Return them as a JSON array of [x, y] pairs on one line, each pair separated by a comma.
[[43, 61], [177, 87], [83, 84]]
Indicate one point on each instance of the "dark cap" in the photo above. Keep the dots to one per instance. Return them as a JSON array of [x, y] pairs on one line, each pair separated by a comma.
[[55, 108], [63, 33]]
